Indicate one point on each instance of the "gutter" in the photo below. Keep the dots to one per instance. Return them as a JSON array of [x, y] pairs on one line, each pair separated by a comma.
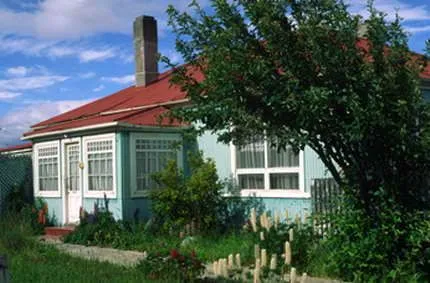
[[94, 127], [65, 131]]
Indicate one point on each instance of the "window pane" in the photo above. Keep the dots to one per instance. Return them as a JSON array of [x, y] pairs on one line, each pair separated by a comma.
[[100, 172], [250, 155], [282, 158], [152, 157], [284, 181], [48, 168], [251, 181]]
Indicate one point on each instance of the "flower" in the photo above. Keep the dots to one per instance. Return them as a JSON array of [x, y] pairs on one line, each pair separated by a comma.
[[174, 253]]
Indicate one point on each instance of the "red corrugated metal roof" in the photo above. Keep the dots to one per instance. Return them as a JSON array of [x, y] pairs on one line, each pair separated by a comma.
[[124, 102], [17, 147], [147, 117]]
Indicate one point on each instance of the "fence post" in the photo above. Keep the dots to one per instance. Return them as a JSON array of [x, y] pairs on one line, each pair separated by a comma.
[[4, 276]]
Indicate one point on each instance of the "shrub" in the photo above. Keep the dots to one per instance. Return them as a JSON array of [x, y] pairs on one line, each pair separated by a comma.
[[176, 266], [14, 240], [183, 200], [16, 199], [99, 228], [396, 249]]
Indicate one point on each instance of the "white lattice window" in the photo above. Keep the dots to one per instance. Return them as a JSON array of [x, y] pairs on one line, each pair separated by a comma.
[[149, 155], [262, 169], [46, 169], [100, 169]]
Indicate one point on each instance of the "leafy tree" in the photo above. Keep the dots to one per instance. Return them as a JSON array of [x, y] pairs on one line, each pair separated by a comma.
[[306, 72]]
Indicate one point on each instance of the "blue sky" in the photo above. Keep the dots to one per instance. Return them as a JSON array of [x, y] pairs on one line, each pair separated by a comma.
[[58, 54]]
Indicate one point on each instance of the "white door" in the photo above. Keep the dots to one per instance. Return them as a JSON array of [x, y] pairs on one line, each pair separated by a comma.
[[72, 182]]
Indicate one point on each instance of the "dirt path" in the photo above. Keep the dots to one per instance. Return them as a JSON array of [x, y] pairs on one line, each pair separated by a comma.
[[128, 258], [119, 257]]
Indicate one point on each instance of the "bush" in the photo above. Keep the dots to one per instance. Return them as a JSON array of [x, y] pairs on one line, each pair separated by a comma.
[[184, 200], [176, 266], [395, 249], [99, 228]]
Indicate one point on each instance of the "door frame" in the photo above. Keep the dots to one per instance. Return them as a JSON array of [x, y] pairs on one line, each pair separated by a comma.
[[64, 195]]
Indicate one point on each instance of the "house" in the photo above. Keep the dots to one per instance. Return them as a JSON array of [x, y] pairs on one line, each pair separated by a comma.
[[112, 146]]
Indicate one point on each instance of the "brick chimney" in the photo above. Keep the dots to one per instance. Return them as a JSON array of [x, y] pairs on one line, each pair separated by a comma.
[[146, 50]]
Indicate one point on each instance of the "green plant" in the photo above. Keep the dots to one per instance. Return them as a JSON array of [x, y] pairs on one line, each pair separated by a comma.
[[358, 250], [99, 228], [178, 267], [183, 200], [16, 199]]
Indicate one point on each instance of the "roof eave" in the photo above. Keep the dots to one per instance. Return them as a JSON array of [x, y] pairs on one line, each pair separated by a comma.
[[98, 126]]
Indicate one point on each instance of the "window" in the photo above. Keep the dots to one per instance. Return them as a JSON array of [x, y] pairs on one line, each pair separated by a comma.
[[150, 154], [72, 173], [100, 169], [47, 169], [267, 171]]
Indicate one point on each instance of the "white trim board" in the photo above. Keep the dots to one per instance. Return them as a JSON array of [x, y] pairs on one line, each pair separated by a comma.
[[267, 192], [99, 194], [134, 193], [37, 192]]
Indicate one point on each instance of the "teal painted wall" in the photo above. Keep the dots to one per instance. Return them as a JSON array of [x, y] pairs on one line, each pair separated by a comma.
[[219, 152], [131, 206], [115, 205], [313, 167], [55, 208], [295, 206], [426, 94], [125, 207]]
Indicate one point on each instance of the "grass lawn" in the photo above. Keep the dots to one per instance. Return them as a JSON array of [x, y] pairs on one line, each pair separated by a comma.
[[43, 263]]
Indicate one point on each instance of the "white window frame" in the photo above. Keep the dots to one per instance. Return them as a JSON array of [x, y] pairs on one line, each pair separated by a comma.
[[266, 171], [99, 194], [149, 136], [37, 191]]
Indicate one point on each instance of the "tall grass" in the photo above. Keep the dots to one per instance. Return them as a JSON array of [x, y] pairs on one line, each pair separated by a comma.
[[32, 261]]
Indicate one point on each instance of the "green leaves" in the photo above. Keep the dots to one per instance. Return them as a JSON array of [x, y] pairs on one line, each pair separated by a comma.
[[182, 200], [310, 74]]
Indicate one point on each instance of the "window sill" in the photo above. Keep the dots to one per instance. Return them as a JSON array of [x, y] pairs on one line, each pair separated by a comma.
[[50, 194], [141, 194], [274, 193], [100, 194]]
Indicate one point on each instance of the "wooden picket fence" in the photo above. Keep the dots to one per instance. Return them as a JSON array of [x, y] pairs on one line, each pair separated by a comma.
[[326, 196]]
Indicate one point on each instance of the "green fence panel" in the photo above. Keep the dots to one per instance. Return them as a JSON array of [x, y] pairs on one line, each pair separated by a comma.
[[15, 171]]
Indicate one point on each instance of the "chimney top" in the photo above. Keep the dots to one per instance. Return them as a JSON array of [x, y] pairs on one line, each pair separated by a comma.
[[146, 50]]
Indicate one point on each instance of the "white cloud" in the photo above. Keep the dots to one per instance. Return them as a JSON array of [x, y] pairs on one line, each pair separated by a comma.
[[19, 71], [64, 19], [84, 51], [6, 95], [418, 29], [128, 79], [92, 55], [99, 88], [87, 75], [22, 71], [173, 55], [18, 120], [408, 11], [28, 83]]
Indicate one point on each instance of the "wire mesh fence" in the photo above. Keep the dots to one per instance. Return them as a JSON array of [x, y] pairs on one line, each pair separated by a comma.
[[15, 173]]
